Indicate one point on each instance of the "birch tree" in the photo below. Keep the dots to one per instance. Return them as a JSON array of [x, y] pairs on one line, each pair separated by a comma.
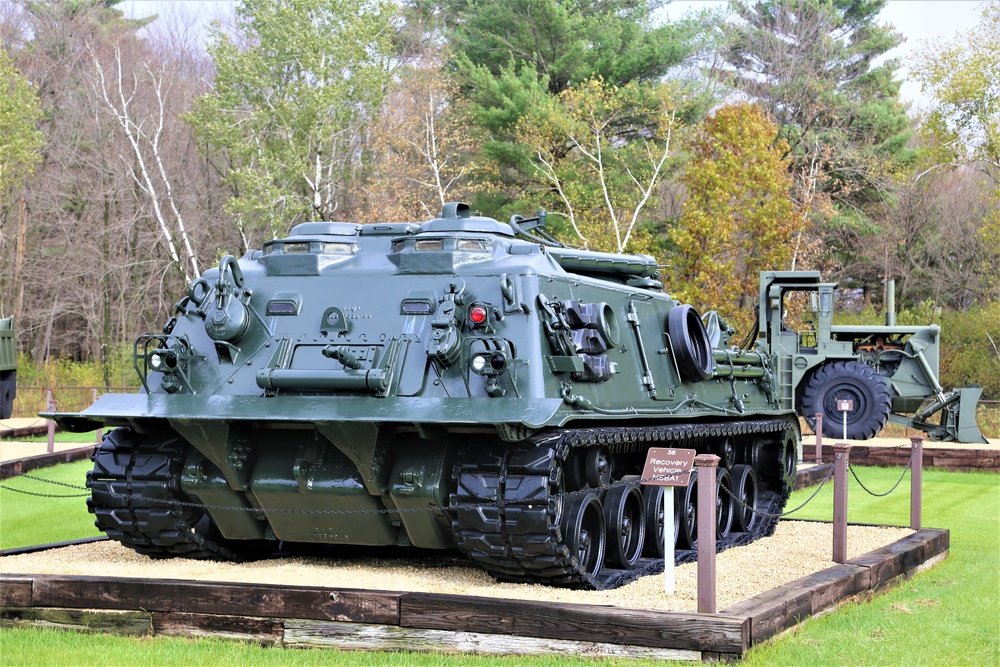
[[144, 133], [296, 83], [598, 152]]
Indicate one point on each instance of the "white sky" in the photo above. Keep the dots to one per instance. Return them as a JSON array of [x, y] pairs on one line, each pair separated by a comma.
[[918, 20]]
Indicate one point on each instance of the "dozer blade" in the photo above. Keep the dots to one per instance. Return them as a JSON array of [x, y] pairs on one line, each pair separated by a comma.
[[958, 417]]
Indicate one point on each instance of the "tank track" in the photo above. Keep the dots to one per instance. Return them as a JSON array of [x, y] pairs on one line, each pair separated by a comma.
[[519, 538], [132, 480]]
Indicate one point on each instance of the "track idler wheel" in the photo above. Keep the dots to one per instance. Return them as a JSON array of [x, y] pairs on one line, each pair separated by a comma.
[[584, 532], [624, 517], [745, 490]]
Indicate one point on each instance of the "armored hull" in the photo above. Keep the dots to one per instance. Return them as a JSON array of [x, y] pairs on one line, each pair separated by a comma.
[[455, 384]]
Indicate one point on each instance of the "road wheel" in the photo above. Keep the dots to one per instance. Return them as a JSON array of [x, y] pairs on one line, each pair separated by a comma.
[[689, 513], [745, 489], [584, 532], [624, 519], [852, 381]]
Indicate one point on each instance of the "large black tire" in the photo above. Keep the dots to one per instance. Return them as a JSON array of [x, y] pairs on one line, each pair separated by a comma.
[[8, 390], [847, 380], [692, 349]]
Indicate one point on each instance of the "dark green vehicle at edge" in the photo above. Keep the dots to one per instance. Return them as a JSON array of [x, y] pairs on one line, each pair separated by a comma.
[[453, 384], [8, 367]]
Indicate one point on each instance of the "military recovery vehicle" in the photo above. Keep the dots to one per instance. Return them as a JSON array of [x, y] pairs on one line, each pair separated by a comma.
[[879, 373], [455, 384], [8, 367]]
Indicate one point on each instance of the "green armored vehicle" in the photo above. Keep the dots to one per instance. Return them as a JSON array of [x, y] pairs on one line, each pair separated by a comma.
[[454, 384], [8, 367]]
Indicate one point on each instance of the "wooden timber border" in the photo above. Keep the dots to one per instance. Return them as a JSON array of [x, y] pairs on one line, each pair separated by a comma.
[[299, 616], [813, 474], [961, 459], [29, 463]]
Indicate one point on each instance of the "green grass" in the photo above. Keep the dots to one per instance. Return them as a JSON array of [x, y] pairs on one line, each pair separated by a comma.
[[948, 615], [27, 519], [31, 648]]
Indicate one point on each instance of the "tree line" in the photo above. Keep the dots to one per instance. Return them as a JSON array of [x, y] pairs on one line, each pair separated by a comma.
[[771, 135]]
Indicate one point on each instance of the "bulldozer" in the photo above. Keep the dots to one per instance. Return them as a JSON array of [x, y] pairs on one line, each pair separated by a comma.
[[858, 377]]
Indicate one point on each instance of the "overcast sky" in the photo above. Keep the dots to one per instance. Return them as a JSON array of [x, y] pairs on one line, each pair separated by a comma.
[[918, 20]]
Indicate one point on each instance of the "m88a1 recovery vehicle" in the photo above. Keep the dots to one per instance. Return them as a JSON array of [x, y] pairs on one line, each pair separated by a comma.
[[876, 373], [454, 384]]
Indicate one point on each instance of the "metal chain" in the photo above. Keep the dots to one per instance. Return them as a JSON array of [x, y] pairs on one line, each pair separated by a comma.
[[495, 500], [15, 473], [45, 495], [779, 515], [898, 481]]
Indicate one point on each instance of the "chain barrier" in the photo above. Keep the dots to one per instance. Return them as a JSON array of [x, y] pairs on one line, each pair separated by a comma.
[[493, 500], [497, 501], [829, 475], [45, 495], [894, 486]]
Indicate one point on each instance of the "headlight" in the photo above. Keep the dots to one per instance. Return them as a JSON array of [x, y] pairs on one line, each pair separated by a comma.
[[488, 363], [155, 362], [479, 364]]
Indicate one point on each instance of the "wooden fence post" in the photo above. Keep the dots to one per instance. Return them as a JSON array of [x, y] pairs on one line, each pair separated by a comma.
[[100, 431], [916, 480], [707, 468], [840, 457], [50, 405]]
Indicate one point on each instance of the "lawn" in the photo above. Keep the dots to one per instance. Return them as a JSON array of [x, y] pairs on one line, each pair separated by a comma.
[[947, 615], [29, 519]]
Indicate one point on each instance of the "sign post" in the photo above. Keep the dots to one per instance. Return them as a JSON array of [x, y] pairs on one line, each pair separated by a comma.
[[668, 467], [844, 406]]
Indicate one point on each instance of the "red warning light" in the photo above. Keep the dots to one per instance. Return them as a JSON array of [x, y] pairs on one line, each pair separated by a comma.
[[477, 314]]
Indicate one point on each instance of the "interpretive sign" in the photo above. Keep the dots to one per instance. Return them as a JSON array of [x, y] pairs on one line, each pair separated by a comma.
[[668, 467]]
